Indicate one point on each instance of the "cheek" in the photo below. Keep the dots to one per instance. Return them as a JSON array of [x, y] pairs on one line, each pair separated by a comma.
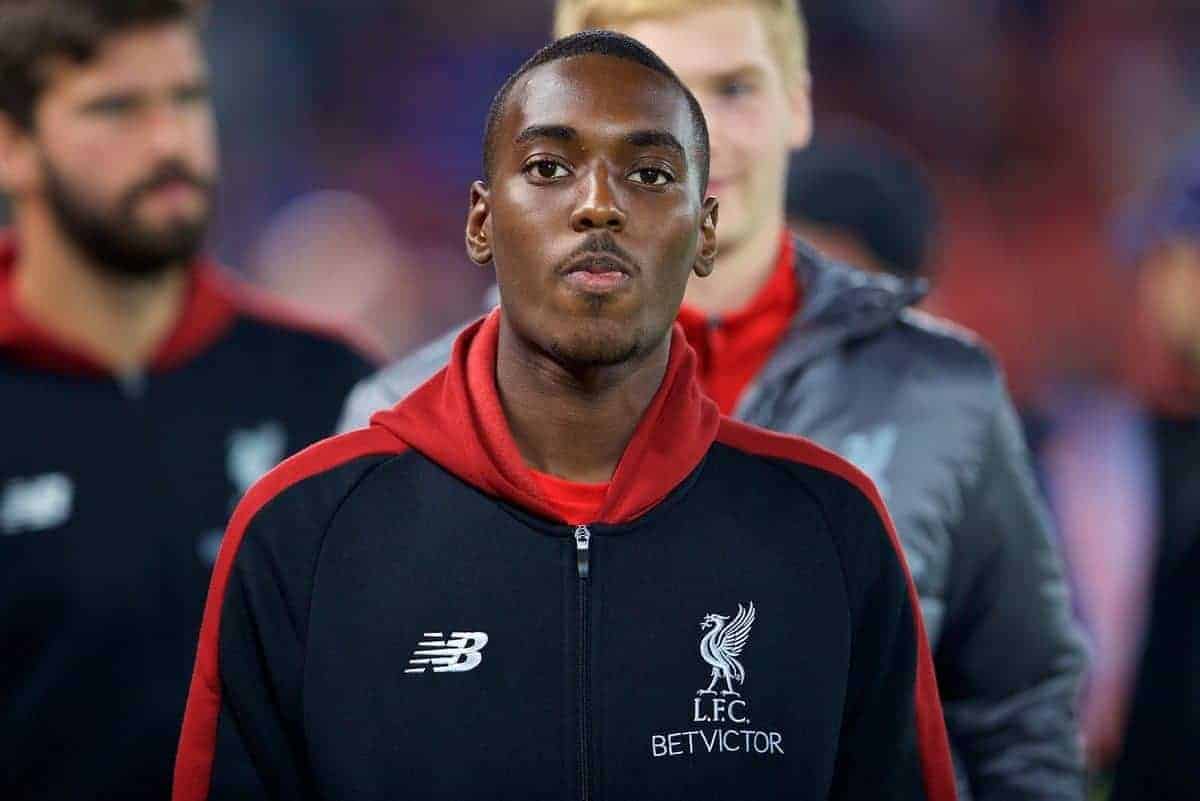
[[95, 162], [741, 129], [678, 244], [203, 136]]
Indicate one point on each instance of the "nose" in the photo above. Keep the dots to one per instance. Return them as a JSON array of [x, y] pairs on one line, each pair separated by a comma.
[[166, 129], [598, 209]]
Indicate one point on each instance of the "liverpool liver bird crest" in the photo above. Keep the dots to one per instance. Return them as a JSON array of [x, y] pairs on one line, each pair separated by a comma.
[[721, 647]]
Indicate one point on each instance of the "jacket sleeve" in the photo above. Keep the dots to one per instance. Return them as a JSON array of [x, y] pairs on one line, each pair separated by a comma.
[[244, 708], [1010, 660], [247, 682], [893, 742]]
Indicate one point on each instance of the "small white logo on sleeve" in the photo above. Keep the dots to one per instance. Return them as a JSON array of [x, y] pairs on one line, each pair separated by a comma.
[[252, 452], [458, 654], [36, 504], [872, 452]]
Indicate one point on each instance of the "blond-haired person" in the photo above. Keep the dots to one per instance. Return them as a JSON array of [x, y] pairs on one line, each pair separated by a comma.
[[792, 341]]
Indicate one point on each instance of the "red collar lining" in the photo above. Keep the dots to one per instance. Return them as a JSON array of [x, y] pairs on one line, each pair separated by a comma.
[[210, 308], [456, 420]]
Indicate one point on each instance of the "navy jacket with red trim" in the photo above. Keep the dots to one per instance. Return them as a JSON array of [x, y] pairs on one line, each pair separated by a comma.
[[113, 498], [397, 613]]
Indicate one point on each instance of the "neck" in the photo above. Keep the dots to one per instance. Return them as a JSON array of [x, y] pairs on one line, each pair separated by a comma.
[[119, 322], [742, 269], [574, 424]]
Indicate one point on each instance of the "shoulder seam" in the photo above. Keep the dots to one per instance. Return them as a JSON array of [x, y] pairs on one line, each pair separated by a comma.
[[256, 306]]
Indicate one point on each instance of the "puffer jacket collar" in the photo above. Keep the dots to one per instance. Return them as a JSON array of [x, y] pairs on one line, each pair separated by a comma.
[[841, 304]]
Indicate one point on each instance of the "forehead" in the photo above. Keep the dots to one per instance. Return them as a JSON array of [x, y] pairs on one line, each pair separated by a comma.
[[598, 96], [140, 59], [735, 33]]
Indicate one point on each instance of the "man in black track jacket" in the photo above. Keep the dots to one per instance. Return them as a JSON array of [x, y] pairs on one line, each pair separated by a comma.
[[555, 570], [142, 390]]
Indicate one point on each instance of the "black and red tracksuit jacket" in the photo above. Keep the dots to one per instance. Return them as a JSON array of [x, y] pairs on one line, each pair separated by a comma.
[[397, 613], [114, 494]]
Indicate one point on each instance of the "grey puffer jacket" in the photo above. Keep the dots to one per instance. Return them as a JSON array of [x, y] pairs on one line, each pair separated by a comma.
[[921, 407]]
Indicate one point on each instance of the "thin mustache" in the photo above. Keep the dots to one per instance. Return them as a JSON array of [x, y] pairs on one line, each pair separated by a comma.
[[601, 244]]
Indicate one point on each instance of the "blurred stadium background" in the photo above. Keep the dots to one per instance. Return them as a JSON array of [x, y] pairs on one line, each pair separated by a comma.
[[350, 132]]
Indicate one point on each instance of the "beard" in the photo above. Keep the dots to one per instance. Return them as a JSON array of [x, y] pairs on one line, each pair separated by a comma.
[[114, 240], [591, 350]]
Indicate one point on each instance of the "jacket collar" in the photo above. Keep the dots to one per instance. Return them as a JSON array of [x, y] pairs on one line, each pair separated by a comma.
[[210, 309], [841, 304], [456, 420]]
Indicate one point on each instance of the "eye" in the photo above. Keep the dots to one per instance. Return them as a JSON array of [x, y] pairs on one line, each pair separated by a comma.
[[546, 170], [734, 87], [651, 176], [193, 95], [115, 106]]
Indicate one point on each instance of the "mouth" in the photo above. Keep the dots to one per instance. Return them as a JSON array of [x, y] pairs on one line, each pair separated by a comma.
[[598, 273], [171, 192]]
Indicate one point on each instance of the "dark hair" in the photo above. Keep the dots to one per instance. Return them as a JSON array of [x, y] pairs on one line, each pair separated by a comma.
[[601, 43], [34, 31], [862, 184]]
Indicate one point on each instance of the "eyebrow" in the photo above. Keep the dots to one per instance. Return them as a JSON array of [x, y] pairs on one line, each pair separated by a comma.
[[563, 133], [656, 138]]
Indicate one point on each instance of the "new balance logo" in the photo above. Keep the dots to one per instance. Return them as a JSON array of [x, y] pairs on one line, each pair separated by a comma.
[[458, 654], [36, 504]]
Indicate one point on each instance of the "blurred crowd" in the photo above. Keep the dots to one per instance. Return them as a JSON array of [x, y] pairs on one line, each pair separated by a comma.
[[1038, 121], [1052, 170]]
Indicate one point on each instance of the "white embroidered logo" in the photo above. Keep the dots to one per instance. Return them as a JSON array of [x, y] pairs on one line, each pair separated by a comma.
[[37, 503], [722, 646], [458, 654], [252, 452], [721, 723], [872, 452]]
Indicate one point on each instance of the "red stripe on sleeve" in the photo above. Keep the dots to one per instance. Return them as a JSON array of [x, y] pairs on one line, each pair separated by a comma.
[[937, 768], [197, 741]]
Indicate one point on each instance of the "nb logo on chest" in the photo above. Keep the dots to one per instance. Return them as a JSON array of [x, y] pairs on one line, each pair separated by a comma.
[[458, 654]]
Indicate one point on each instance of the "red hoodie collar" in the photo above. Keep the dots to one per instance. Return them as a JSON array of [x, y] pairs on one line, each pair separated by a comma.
[[456, 420], [209, 310]]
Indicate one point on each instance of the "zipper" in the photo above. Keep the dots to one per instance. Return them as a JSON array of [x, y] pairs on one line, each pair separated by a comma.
[[583, 549]]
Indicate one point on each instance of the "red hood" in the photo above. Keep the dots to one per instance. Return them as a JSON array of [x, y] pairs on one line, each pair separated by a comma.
[[210, 309], [456, 420]]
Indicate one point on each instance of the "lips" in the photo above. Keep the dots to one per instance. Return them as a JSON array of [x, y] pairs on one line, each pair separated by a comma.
[[597, 273], [598, 263]]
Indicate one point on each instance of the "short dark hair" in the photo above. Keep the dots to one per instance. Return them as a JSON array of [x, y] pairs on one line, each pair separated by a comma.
[[601, 43], [857, 181], [34, 31]]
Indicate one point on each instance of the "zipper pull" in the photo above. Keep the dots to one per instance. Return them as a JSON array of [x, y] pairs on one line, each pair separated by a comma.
[[583, 544]]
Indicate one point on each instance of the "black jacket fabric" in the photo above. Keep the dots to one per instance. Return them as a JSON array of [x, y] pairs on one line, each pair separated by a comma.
[[113, 497], [921, 407], [1159, 760], [398, 613]]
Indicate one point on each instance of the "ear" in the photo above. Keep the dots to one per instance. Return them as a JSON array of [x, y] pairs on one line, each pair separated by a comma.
[[19, 170], [800, 102], [706, 256], [479, 225]]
